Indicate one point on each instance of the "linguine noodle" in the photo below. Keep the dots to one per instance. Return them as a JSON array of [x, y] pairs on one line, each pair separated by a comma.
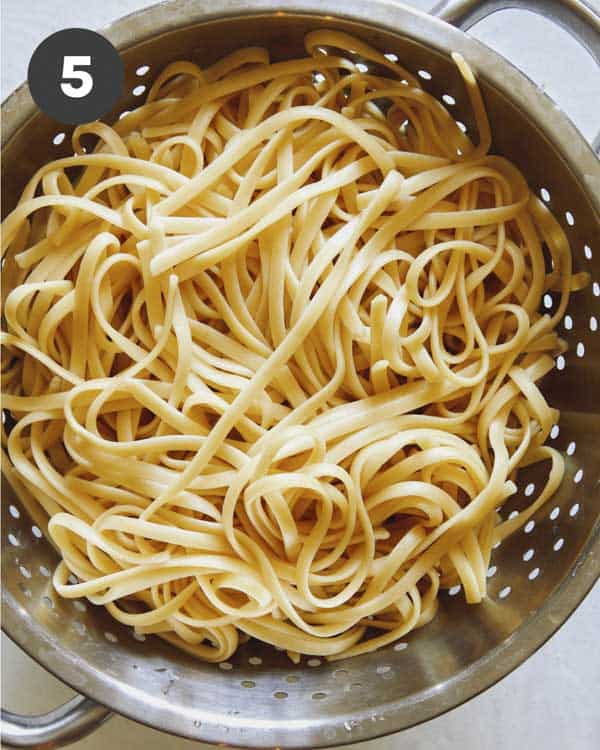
[[271, 353]]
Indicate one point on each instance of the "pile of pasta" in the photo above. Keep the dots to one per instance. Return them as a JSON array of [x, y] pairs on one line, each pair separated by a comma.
[[271, 353]]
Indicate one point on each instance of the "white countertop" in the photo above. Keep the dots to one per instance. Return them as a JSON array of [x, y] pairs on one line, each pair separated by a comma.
[[550, 702]]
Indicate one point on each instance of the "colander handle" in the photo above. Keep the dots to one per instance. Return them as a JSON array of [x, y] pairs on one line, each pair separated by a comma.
[[65, 724], [578, 17]]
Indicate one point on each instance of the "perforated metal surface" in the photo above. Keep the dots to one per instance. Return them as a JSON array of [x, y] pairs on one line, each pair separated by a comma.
[[536, 577]]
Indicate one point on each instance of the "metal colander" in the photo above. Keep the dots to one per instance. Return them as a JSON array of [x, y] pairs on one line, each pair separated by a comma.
[[537, 577]]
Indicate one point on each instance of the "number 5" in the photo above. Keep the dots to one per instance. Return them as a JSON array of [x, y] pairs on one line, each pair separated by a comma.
[[69, 71]]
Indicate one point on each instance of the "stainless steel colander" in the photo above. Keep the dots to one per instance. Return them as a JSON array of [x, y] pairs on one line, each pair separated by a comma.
[[537, 577]]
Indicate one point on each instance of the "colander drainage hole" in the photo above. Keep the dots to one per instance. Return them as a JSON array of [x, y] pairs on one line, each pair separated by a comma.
[[425, 75], [291, 678], [59, 138], [558, 544], [571, 448], [14, 511], [449, 100], [462, 126], [504, 592], [280, 695], [44, 571], [529, 527], [554, 432], [400, 646], [587, 251], [491, 571], [533, 574], [142, 70], [574, 510], [453, 590], [314, 662], [13, 540], [528, 554], [593, 324], [138, 90], [256, 661], [545, 194], [554, 513], [25, 572], [570, 218], [226, 666], [248, 683], [530, 489], [319, 696], [111, 637]]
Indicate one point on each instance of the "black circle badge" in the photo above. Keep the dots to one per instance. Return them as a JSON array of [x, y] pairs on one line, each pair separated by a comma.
[[75, 76]]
